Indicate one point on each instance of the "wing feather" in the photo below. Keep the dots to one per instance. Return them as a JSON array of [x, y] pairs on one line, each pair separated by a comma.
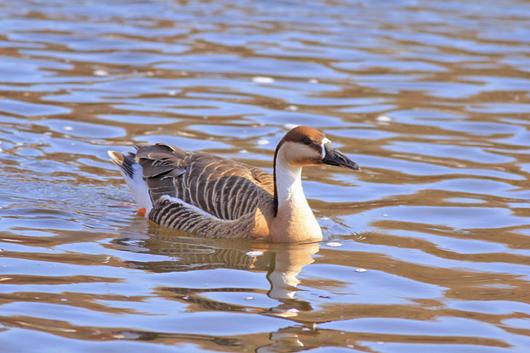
[[223, 188]]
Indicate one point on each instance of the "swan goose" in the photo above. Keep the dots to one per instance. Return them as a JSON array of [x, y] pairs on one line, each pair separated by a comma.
[[214, 197]]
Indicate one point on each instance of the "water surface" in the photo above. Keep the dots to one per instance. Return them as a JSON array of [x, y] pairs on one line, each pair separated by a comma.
[[426, 249]]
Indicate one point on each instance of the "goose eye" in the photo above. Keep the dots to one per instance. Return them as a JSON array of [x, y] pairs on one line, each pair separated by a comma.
[[306, 141]]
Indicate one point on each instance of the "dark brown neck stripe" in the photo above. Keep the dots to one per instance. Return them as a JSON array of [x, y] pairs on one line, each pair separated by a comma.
[[274, 177]]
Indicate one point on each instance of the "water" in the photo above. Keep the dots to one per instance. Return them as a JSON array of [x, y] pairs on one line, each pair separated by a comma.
[[426, 249]]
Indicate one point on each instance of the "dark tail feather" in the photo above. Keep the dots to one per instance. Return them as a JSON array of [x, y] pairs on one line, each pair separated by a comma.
[[125, 162]]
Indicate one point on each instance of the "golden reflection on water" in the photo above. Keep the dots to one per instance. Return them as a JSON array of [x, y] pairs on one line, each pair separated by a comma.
[[426, 249]]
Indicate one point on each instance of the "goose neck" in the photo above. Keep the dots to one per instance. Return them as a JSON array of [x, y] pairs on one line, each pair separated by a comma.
[[293, 220], [289, 190]]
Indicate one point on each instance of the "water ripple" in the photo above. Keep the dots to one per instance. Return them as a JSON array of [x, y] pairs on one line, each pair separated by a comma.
[[426, 248]]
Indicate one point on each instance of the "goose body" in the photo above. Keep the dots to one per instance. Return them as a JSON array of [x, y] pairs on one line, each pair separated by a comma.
[[214, 197]]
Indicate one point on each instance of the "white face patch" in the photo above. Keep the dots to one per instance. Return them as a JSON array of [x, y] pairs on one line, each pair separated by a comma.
[[323, 151]]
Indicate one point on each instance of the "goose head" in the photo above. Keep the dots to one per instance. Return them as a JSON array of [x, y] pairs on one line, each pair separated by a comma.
[[304, 146], [294, 220]]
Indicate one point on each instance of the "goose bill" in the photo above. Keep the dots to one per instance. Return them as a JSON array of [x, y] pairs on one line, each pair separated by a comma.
[[339, 159]]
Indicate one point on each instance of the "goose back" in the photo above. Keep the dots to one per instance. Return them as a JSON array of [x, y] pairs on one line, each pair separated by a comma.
[[224, 188]]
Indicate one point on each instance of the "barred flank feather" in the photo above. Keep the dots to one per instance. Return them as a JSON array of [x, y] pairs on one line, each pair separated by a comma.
[[174, 213]]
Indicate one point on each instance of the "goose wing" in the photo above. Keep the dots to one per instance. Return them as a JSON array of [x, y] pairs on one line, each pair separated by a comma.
[[221, 187]]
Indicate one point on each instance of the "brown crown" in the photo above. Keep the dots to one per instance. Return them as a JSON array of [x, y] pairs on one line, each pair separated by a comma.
[[304, 134]]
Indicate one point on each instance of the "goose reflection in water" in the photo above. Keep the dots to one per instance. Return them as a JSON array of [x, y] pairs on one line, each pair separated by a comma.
[[282, 264]]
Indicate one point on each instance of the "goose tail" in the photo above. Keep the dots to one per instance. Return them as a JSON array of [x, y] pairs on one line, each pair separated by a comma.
[[133, 174]]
